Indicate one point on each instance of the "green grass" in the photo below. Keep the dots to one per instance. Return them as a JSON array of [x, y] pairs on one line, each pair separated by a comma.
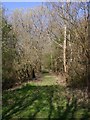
[[47, 80], [42, 100]]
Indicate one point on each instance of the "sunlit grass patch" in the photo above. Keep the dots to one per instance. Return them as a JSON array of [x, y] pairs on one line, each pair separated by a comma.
[[47, 80]]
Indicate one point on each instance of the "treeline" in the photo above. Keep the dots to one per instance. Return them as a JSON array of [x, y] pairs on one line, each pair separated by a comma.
[[53, 36]]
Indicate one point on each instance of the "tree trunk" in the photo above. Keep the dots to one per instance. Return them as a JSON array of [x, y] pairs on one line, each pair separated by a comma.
[[51, 60], [33, 74], [70, 47], [64, 50]]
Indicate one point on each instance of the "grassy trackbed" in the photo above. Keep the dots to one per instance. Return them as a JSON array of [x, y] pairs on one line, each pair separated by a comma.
[[43, 99]]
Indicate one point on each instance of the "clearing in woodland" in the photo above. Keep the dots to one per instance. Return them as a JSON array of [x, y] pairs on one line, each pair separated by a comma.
[[45, 98]]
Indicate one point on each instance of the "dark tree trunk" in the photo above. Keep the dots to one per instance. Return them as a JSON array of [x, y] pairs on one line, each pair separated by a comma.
[[33, 74], [28, 73]]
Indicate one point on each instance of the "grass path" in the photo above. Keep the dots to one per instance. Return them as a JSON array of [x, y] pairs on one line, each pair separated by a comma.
[[45, 79], [43, 99]]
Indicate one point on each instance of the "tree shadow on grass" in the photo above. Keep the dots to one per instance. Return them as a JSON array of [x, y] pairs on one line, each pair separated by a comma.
[[37, 102], [51, 107], [68, 113], [23, 98]]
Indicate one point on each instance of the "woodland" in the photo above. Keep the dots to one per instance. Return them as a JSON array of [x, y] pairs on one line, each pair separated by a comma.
[[46, 62]]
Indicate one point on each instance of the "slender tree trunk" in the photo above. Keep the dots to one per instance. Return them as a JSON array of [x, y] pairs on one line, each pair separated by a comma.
[[51, 55], [51, 60], [70, 47], [64, 50]]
